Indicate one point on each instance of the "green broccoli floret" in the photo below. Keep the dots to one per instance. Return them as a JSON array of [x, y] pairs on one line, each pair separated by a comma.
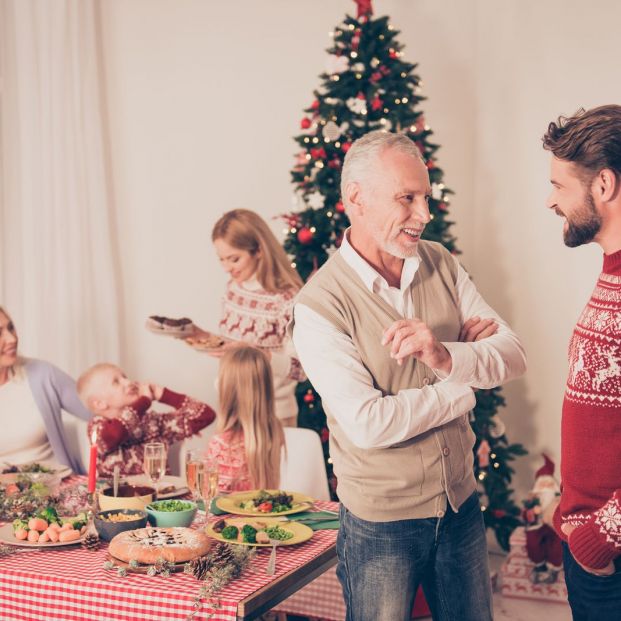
[[230, 532], [50, 515], [17, 524], [249, 534], [79, 520]]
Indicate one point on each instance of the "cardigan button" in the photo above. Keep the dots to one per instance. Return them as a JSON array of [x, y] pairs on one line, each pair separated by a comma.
[[446, 451], [426, 381], [440, 513]]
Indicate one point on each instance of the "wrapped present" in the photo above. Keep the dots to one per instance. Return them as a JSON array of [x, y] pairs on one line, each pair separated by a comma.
[[516, 575]]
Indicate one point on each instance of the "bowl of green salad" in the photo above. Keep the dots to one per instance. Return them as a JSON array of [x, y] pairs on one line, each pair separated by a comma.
[[165, 513]]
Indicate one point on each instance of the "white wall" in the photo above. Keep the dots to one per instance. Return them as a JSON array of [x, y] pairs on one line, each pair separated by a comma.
[[535, 60], [204, 98]]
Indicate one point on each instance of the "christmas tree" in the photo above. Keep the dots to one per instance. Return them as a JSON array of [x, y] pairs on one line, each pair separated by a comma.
[[368, 85]]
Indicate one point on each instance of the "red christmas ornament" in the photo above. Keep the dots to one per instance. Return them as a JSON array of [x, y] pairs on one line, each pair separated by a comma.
[[345, 147], [377, 103], [384, 69], [365, 7], [305, 236], [393, 54], [319, 153], [305, 123], [309, 397], [430, 164], [361, 96], [443, 207], [499, 513], [315, 104], [335, 163], [340, 207], [376, 76], [325, 435]]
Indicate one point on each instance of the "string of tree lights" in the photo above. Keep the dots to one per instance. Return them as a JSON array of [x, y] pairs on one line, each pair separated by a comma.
[[368, 85]]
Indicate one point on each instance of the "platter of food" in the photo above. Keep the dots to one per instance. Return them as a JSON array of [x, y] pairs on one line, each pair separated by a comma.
[[33, 471], [44, 530], [264, 502], [168, 487], [258, 532], [207, 342], [166, 326], [150, 545]]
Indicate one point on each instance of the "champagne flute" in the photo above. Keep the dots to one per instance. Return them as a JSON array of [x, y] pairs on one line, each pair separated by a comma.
[[208, 485], [193, 471], [155, 462]]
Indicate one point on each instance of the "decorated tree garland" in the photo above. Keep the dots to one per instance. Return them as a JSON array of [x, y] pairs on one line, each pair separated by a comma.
[[368, 85]]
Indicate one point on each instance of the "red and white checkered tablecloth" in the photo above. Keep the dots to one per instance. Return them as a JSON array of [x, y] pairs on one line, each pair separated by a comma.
[[322, 598], [67, 584]]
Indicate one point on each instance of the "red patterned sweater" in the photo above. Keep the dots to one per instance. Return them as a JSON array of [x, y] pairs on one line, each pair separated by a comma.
[[228, 450], [591, 427], [253, 315], [120, 441]]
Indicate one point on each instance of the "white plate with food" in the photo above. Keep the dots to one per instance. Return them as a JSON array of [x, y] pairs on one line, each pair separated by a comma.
[[37, 532], [169, 487], [34, 470], [166, 326]]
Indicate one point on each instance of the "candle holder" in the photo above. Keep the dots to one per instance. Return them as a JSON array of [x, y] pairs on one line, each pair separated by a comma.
[[91, 536]]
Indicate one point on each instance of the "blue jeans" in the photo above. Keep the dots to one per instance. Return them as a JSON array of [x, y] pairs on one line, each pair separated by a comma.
[[592, 598], [381, 565]]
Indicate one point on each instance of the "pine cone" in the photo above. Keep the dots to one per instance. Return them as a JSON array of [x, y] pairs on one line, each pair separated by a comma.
[[220, 555], [91, 542], [199, 567]]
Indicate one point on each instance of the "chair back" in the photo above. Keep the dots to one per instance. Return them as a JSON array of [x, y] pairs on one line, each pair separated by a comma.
[[303, 469]]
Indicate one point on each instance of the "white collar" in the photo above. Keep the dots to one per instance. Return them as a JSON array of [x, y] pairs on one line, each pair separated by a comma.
[[251, 284], [370, 277]]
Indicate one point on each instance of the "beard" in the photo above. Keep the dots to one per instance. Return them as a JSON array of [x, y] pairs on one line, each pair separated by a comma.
[[585, 224]]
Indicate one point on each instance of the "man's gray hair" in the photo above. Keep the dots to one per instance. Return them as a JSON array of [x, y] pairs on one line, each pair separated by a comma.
[[364, 151]]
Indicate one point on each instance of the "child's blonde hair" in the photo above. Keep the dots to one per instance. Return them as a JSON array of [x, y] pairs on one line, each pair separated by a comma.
[[246, 230], [246, 389], [84, 384]]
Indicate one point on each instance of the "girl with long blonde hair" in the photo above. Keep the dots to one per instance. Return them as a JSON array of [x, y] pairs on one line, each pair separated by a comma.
[[258, 301], [249, 443]]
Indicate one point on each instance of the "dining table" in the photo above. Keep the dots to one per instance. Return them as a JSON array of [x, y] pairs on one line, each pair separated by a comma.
[[73, 583]]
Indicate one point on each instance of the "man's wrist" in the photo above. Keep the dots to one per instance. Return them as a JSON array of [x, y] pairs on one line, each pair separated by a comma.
[[445, 360]]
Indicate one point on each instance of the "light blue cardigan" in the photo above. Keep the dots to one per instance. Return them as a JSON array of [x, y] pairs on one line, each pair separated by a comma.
[[53, 391]]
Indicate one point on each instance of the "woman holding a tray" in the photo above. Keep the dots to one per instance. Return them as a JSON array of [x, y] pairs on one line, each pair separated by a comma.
[[258, 301]]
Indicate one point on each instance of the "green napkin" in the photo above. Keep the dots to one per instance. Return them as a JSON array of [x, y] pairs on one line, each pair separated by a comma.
[[213, 509], [323, 520]]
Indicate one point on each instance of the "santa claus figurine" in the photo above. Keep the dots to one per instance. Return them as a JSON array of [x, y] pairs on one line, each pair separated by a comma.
[[542, 543]]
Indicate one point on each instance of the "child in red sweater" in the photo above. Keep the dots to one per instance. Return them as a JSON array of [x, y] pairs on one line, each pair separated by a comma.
[[123, 423]]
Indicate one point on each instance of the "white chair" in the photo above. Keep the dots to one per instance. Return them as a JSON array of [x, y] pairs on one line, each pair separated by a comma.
[[303, 469]]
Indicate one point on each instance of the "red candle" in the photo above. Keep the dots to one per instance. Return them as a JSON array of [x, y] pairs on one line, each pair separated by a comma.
[[92, 466]]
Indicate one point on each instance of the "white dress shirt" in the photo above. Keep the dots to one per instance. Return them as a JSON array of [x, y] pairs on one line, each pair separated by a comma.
[[371, 420]]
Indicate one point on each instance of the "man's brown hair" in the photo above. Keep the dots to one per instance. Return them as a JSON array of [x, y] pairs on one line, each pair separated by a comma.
[[590, 139]]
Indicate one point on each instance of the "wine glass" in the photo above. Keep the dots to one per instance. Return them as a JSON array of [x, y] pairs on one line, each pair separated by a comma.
[[208, 484], [155, 462], [193, 468]]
